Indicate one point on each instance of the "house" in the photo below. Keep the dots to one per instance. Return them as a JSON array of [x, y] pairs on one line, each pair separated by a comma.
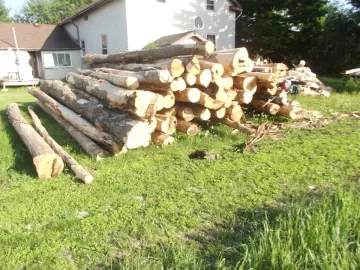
[[44, 51], [112, 26], [181, 38]]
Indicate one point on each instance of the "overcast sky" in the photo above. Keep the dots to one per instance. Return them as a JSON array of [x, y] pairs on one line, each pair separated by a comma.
[[15, 5]]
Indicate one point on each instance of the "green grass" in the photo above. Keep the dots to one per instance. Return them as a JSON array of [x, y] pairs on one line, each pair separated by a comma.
[[154, 208]]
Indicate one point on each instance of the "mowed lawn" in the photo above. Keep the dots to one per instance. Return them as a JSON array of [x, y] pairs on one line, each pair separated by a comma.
[[154, 208]]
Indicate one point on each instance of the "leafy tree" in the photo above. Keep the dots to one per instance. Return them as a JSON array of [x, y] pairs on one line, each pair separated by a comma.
[[48, 11], [4, 12]]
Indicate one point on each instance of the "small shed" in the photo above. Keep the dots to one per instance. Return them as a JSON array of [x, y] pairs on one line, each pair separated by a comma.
[[29, 52], [181, 38]]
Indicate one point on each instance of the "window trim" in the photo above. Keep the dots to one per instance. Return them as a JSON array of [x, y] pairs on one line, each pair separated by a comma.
[[83, 46], [57, 57], [107, 44], [210, 5]]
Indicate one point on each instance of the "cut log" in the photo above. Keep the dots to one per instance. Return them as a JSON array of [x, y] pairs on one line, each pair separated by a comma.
[[166, 124], [201, 48], [187, 127], [159, 102], [273, 99], [188, 95], [191, 64], [230, 59], [268, 90], [232, 93], [85, 142], [228, 102], [245, 83], [204, 78], [264, 106], [208, 102], [236, 125], [160, 138], [131, 132], [168, 99], [262, 69], [127, 82], [150, 76], [47, 163], [79, 170], [216, 91], [189, 78], [226, 82], [220, 113], [261, 76], [199, 111], [234, 113], [181, 83], [184, 112], [174, 66], [170, 86], [244, 97], [168, 112], [215, 68], [140, 103], [288, 111]]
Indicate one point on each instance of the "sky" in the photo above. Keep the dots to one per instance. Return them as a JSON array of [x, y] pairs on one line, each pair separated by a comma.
[[15, 5]]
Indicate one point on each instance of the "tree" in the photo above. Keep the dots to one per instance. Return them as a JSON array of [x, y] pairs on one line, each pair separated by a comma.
[[4, 12], [48, 11]]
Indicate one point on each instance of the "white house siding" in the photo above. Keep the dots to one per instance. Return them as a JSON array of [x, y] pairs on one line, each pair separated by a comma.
[[9, 68], [109, 20], [148, 20], [56, 73]]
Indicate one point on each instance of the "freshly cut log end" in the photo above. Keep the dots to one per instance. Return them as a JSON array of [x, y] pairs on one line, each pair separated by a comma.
[[204, 78], [288, 111], [176, 67], [47, 163], [220, 113], [185, 112], [168, 112], [189, 78], [216, 68], [244, 97], [187, 127], [234, 113], [245, 83], [168, 99], [209, 47], [166, 124], [85, 142], [160, 138], [191, 63], [200, 112], [181, 84], [188, 95], [209, 102], [264, 106]]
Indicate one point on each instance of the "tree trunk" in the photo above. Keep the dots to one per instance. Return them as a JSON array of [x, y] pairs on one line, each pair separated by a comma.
[[140, 103], [216, 91], [234, 113], [261, 76], [215, 68], [188, 95], [162, 139], [47, 163], [187, 127], [230, 59], [288, 111], [166, 124], [110, 142], [150, 76], [170, 86], [204, 78], [184, 112], [262, 69], [272, 99], [237, 125], [208, 102], [201, 48], [271, 90], [191, 64], [245, 83], [220, 113], [189, 78], [264, 106], [168, 112], [244, 97], [85, 142], [199, 111], [79, 171], [168, 99]]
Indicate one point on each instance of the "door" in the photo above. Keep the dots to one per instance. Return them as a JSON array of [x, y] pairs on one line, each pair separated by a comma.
[[33, 64]]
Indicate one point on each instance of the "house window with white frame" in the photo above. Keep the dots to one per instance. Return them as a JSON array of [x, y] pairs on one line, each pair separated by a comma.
[[212, 38], [82, 46], [104, 44], [210, 4], [57, 60]]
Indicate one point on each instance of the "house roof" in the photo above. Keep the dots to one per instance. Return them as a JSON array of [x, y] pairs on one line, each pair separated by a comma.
[[35, 37], [99, 3], [178, 38]]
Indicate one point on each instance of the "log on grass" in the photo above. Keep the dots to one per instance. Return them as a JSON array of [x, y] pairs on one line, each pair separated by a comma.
[[160, 138], [132, 132], [264, 106], [200, 48], [288, 111], [79, 170], [85, 142], [47, 163], [188, 95], [187, 127], [236, 125], [140, 103], [273, 99]]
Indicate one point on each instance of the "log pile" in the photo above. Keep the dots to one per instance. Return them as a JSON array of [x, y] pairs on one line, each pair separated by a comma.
[[124, 101]]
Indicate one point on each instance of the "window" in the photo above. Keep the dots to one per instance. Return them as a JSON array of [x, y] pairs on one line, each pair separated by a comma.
[[82, 45], [104, 44], [86, 18], [210, 4], [57, 60], [212, 38]]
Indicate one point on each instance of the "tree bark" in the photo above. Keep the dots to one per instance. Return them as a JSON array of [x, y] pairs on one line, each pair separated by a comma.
[[188, 95], [110, 142], [288, 111], [237, 125], [140, 103], [201, 48], [132, 132], [215, 68], [169, 86], [216, 91], [187, 127], [85, 142], [79, 171], [160, 138], [47, 163], [261, 76]]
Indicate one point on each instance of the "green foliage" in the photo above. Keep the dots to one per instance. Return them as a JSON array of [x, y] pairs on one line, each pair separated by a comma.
[[154, 208], [48, 11], [4, 12], [347, 84], [150, 45]]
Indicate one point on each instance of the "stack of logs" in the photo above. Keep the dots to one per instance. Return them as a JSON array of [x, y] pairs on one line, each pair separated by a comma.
[[124, 101]]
